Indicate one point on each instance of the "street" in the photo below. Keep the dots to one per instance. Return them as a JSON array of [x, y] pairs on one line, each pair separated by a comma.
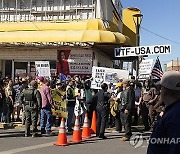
[[13, 141]]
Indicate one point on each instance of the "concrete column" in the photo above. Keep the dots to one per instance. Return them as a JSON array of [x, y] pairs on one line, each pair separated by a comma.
[[13, 70], [1, 63]]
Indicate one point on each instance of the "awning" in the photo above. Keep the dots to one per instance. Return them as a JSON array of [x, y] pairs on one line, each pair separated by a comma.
[[88, 31], [92, 36]]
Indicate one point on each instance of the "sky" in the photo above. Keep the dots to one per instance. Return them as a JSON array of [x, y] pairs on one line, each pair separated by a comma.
[[163, 18]]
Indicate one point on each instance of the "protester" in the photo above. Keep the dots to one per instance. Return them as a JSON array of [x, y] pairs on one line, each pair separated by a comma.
[[10, 98], [102, 110], [167, 128], [24, 85], [115, 100], [47, 104], [88, 99], [147, 101], [2, 99], [71, 100], [17, 106], [138, 92], [127, 107]]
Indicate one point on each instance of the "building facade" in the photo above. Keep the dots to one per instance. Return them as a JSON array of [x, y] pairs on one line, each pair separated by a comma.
[[35, 30], [173, 65]]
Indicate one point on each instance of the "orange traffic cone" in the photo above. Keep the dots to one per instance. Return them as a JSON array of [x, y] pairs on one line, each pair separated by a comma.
[[62, 137], [86, 132], [93, 125], [77, 132]]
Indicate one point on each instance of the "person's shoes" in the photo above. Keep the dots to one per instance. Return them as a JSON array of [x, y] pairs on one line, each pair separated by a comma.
[[103, 137], [70, 130], [146, 129], [27, 135], [43, 131], [49, 133], [18, 120], [125, 139], [134, 124], [35, 135]]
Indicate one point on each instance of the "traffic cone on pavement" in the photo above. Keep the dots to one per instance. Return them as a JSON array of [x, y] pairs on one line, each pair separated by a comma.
[[93, 125], [62, 137], [76, 138], [86, 132]]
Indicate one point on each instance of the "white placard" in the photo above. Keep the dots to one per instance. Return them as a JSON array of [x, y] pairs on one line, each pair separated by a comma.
[[142, 50], [43, 69], [107, 75], [145, 67]]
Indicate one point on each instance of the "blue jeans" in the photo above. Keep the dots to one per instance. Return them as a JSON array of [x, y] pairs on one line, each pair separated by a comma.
[[46, 119], [70, 111]]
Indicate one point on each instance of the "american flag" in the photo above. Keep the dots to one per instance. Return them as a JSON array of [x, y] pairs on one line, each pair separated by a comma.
[[157, 69]]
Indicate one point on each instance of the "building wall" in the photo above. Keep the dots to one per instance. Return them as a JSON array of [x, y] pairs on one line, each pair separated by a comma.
[[173, 65], [27, 56], [24, 10], [107, 10], [103, 60], [129, 28]]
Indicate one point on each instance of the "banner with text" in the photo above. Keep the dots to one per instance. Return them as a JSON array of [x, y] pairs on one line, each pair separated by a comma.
[[43, 69], [74, 62], [102, 75], [142, 50]]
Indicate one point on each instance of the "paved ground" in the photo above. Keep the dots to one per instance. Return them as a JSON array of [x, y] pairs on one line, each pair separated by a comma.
[[13, 141]]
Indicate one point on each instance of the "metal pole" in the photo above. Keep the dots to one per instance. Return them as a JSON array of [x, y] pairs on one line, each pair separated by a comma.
[[76, 10], [178, 63], [2, 5], [30, 9], [13, 69], [45, 10], [172, 65], [137, 44]]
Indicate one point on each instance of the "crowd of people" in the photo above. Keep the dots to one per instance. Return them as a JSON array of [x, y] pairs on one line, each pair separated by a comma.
[[116, 104]]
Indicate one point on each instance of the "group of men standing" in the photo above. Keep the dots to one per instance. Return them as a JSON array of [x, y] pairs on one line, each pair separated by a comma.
[[37, 100], [125, 99]]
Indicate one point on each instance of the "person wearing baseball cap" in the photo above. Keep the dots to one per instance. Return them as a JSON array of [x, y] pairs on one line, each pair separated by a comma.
[[167, 128]]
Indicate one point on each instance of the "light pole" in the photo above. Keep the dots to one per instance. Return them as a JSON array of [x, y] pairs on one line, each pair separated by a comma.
[[137, 21]]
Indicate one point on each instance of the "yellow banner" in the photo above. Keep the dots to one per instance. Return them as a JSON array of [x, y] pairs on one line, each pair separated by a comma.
[[59, 104]]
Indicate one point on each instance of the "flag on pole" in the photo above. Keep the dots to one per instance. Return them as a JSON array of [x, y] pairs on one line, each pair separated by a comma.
[[157, 69]]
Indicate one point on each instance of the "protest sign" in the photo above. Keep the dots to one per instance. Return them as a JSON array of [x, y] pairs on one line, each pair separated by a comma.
[[145, 68], [102, 75], [59, 105], [43, 69]]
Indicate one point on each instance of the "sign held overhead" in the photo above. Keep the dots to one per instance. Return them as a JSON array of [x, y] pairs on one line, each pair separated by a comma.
[[142, 50]]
